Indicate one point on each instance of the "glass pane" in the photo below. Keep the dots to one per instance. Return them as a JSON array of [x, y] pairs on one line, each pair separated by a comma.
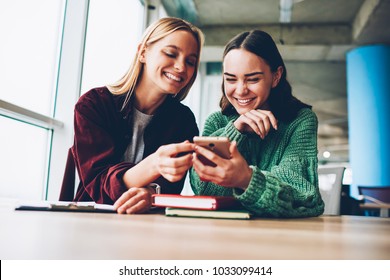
[[113, 32], [30, 34], [23, 150]]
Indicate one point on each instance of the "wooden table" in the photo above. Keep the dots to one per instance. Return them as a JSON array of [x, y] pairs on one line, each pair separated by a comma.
[[65, 235]]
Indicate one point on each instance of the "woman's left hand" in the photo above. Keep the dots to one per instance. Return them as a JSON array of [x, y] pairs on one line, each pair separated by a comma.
[[233, 172], [134, 201], [257, 121]]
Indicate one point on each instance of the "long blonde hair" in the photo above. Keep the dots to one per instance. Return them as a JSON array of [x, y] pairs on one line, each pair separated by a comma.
[[156, 31]]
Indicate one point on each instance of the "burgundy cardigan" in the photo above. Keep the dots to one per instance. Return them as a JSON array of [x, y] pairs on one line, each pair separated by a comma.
[[102, 134]]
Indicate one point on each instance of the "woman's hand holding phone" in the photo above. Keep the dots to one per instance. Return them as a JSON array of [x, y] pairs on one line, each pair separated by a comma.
[[218, 145], [224, 165]]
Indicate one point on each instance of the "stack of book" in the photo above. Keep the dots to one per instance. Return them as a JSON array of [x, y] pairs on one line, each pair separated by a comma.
[[220, 207]]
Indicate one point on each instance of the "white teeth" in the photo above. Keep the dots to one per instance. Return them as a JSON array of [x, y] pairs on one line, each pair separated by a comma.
[[244, 101], [172, 77]]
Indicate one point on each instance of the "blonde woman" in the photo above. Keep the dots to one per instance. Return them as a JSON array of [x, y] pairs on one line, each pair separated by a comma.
[[131, 134]]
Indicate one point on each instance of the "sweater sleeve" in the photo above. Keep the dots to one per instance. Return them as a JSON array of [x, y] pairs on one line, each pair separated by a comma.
[[288, 189], [95, 156]]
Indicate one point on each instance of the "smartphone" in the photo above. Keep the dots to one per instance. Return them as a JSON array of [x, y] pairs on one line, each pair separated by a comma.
[[219, 145]]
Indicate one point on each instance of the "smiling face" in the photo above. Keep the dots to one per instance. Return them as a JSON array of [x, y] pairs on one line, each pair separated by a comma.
[[247, 80], [169, 63]]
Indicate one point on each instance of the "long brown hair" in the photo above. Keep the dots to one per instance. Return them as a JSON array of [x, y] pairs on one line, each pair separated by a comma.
[[156, 31]]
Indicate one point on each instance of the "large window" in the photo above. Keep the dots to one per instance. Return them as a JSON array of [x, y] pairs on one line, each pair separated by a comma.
[[30, 44], [51, 51], [23, 149], [113, 32], [29, 52]]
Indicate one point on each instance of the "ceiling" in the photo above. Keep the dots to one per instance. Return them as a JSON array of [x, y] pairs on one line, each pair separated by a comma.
[[314, 46]]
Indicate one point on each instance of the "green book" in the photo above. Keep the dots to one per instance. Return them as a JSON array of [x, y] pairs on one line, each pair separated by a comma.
[[239, 214]]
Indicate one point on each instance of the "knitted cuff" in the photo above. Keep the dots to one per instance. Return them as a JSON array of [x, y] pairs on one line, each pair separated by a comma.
[[251, 194], [233, 133]]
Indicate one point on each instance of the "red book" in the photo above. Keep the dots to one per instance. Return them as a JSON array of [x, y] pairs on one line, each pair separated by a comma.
[[194, 201]]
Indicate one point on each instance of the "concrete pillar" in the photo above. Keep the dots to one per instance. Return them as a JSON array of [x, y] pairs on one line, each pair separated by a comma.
[[368, 86]]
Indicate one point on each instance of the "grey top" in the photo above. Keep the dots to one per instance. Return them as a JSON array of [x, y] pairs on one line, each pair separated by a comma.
[[135, 149]]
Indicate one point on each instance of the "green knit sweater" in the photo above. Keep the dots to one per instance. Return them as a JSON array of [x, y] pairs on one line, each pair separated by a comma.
[[284, 181]]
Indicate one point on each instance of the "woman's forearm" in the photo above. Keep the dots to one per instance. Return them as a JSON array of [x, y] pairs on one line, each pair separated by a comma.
[[141, 174]]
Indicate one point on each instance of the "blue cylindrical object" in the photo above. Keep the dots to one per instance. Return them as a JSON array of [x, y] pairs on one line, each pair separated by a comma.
[[368, 86]]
